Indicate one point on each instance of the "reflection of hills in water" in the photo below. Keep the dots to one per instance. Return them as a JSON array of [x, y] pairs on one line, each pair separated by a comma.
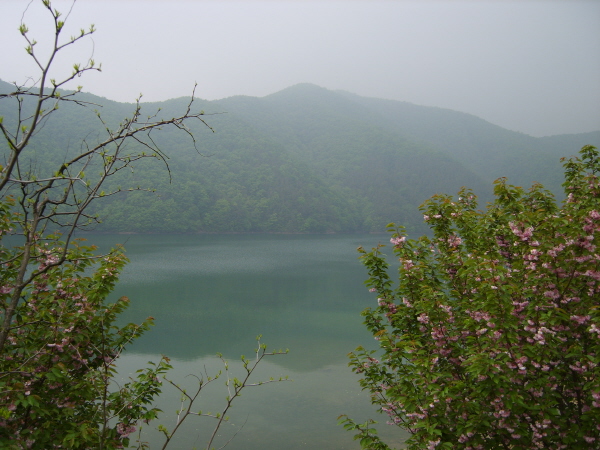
[[293, 415], [216, 293]]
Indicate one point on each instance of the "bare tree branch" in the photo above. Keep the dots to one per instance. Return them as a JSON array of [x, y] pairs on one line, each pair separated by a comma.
[[62, 197]]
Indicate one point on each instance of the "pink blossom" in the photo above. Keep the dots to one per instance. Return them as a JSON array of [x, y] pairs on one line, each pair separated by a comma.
[[125, 430], [398, 241], [521, 232], [407, 264], [553, 294], [5, 289], [580, 319], [446, 308], [454, 240], [431, 445], [423, 318], [594, 274]]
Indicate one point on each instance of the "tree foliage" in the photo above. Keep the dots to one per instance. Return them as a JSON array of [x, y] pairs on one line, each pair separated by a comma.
[[491, 337]]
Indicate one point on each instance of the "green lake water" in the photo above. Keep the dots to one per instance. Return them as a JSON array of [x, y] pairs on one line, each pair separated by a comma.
[[216, 293]]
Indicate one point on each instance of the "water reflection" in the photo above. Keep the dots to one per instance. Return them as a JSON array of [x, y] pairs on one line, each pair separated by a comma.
[[215, 293], [293, 415]]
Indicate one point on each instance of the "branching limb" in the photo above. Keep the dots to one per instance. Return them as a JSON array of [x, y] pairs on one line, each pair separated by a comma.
[[234, 387]]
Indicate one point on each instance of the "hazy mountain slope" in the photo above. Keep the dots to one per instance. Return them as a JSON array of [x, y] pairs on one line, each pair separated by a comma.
[[557, 147], [247, 183], [305, 159], [313, 121], [389, 174], [489, 150]]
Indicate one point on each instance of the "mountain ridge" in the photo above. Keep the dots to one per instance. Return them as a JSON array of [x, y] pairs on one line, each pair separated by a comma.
[[306, 159]]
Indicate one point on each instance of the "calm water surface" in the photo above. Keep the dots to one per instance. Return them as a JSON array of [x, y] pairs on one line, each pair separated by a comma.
[[216, 293]]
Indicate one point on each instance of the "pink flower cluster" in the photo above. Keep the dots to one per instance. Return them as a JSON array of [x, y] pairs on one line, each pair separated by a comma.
[[522, 232], [398, 241]]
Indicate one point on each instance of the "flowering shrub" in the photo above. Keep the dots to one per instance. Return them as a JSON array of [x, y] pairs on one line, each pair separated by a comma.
[[58, 384], [491, 338], [58, 364]]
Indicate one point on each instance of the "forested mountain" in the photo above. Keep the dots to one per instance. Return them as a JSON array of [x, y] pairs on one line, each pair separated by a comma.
[[305, 159]]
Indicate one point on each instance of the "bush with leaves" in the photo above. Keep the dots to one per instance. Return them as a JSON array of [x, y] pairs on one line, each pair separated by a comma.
[[491, 337], [59, 361]]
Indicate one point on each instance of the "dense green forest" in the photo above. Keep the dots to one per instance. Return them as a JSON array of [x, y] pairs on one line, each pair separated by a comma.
[[305, 159]]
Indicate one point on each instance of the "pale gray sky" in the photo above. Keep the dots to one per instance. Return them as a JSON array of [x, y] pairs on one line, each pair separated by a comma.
[[530, 66]]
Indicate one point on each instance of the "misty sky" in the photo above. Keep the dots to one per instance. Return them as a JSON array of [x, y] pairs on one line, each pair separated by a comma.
[[530, 66]]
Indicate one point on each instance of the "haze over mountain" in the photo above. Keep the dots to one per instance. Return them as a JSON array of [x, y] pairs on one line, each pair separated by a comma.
[[526, 65], [306, 159]]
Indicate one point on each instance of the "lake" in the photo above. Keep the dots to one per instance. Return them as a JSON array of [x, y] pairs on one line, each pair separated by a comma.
[[216, 293]]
